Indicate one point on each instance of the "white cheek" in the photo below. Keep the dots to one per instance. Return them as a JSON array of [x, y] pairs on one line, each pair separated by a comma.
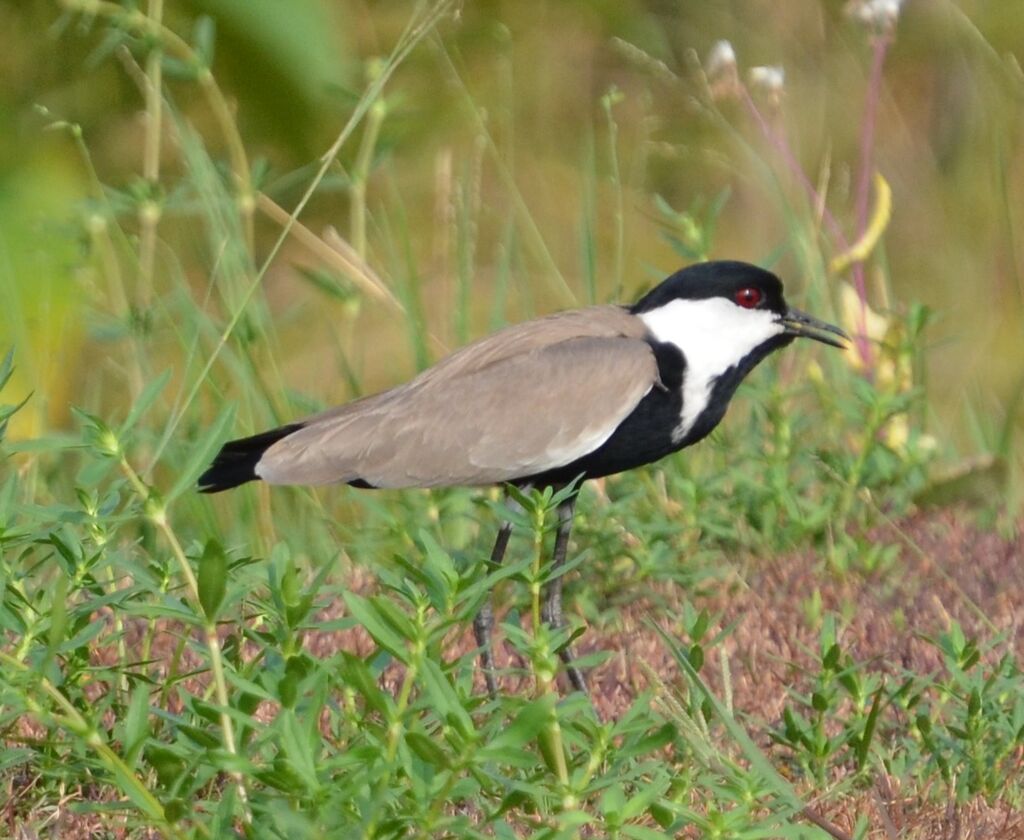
[[714, 335], [712, 332]]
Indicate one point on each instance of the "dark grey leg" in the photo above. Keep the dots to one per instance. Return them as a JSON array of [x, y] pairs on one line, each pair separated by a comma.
[[552, 611], [484, 621]]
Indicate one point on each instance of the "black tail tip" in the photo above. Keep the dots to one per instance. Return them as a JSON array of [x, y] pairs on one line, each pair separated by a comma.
[[223, 476], [236, 462]]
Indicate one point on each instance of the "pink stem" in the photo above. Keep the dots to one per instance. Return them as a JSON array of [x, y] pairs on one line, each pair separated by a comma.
[[881, 44], [778, 141]]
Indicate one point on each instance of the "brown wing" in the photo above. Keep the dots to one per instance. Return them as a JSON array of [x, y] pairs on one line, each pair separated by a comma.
[[528, 399], [525, 337]]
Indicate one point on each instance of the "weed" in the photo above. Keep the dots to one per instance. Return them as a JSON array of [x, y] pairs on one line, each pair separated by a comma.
[[297, 663]]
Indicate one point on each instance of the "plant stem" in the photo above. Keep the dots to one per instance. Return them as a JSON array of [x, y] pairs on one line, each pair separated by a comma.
[[173, 44], [158, 516], [538, 552], [777, 140], [543, 658], [99, 225], [149, 208], [395, 725], [619, 214], [361, 173]]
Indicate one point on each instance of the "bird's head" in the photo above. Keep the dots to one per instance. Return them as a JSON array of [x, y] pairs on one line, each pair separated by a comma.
[[727, 314]]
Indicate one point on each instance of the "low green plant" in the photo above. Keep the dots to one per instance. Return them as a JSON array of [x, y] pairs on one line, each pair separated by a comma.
[[299, 664]]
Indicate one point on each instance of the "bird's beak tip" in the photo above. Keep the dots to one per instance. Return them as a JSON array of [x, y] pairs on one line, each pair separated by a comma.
[[798, 323]]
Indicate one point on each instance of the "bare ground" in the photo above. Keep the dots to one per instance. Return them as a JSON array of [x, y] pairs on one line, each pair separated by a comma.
[[949, 570]]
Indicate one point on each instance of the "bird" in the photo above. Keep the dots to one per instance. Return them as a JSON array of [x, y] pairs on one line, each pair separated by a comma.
[[550, 402]]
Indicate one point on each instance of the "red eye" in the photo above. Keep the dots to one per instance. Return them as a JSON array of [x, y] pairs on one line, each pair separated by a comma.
[[748, 298]]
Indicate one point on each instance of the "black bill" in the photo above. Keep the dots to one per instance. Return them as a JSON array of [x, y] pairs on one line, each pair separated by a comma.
[[802, 324]]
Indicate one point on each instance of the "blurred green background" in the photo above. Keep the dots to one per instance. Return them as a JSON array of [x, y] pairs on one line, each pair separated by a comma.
[[516, 170]]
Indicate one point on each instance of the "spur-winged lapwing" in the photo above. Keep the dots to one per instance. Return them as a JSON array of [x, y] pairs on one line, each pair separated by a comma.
[[579, 394]]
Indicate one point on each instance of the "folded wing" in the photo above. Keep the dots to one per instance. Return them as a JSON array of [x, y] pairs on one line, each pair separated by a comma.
[[530, 399]]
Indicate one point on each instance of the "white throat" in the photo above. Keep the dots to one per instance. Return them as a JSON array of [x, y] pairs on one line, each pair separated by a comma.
[[714, 335]]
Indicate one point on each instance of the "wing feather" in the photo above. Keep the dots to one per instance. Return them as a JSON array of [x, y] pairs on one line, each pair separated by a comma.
[[546, 394]]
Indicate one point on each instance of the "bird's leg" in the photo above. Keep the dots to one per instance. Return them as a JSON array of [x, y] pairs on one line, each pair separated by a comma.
[[552, 611], [484, 621]]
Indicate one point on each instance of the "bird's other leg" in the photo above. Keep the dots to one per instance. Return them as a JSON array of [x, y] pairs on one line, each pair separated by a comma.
[[483, 624], [552, 611]]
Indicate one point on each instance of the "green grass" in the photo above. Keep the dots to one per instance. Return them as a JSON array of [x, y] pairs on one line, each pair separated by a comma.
[[296, 662]]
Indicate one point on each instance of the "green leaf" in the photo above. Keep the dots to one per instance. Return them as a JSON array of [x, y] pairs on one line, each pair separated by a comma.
[[212, 578], [427, 749], [167, 764], [288, 686], [662, 815], [8, 411], [202, 452], [136, 724], [441, 576], [700, 626], [198, 736], [356, 675], [864, 741], [444, 698], [369, 615], [330, 283], [612, 802], [204, 36], [507, 747], [6, 368], [58, 614], [639, 803], [649, 743], [640, 832], [396, 619], [176, 810], [297, 746], [89, 632], [145, 401], [252, 691]]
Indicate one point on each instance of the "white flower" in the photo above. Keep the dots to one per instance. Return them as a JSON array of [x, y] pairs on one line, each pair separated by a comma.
[[720, 69], [771, 80], [877, 14], [721, 60]]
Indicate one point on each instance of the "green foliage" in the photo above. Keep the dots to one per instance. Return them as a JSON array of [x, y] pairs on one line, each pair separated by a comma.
[[298, 664]]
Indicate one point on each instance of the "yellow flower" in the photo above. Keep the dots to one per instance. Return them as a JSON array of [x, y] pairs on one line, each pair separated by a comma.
[[859, 319]]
